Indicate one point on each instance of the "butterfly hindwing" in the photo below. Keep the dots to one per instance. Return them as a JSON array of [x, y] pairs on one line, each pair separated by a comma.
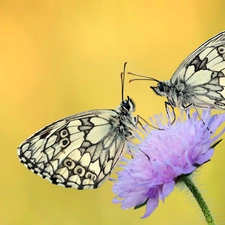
[[79, 151]]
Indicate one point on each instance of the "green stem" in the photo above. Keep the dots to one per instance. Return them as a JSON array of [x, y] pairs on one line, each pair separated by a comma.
[[201, 202]]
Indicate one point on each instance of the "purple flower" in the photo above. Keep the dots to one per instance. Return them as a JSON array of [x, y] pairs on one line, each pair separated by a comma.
[[164, 156]]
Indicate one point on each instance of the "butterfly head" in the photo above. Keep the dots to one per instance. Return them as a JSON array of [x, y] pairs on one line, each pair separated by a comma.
[[162, 88], [128, 105]]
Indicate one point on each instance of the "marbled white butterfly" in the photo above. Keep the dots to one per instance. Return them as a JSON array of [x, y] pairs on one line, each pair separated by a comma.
[[200, 79], [80, 151]]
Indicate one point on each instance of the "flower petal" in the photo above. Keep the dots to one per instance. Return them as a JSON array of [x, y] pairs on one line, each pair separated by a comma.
[[150, 206], [206, 157], [167, 188]]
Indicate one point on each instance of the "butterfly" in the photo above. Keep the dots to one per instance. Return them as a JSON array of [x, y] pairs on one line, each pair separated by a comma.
[[80, 151], [199, 81]]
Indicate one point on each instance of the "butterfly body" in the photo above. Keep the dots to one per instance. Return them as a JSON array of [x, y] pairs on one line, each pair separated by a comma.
[[81, 150]]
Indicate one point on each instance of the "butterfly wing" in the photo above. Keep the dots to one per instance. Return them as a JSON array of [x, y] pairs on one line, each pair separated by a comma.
[[79, 151], [203, 73]]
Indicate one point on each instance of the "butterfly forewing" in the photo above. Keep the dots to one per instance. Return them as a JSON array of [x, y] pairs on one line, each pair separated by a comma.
[[202, 75], [80, 151], [199, 57]]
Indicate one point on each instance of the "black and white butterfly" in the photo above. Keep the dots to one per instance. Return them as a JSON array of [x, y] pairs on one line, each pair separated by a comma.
[[80, 151], [199, 81]]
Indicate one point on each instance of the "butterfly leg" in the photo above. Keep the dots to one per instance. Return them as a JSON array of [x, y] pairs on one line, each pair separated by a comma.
[[142, 126], [201, 118], [145, 155], [141, 118], [167, 111], [186, 107]]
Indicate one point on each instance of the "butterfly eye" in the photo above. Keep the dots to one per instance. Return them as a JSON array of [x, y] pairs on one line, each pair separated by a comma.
[[70, 164], [64, 133], [161, 86], [91, 176], [79, 170], [126, 105]]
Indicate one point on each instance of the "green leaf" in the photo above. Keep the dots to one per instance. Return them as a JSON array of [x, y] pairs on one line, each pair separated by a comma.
[[141, 205], [216, 143]]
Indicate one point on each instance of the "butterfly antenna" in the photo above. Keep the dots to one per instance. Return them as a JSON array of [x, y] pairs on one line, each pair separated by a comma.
[[142, 77], [123, 79]]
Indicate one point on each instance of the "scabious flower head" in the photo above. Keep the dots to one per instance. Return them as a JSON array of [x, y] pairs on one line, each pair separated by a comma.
[[163, 156]]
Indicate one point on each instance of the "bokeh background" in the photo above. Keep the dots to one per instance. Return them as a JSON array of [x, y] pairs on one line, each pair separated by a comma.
[[58, 58]]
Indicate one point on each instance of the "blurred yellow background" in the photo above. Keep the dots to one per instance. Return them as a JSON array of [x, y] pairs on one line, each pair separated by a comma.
[[59, 58]]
